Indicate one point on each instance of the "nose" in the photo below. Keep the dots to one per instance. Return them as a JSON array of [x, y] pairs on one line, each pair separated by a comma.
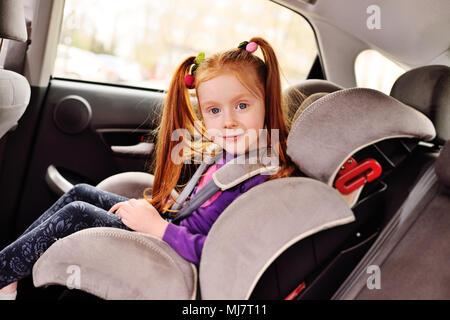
[[229, 120]]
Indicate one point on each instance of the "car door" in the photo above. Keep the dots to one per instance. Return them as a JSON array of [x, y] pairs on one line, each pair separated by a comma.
[[88, 132]]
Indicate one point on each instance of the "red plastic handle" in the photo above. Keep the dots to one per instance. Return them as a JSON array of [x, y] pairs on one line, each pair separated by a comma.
[[366, 171]]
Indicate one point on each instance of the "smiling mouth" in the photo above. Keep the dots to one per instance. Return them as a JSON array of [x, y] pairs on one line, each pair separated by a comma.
[[232, 138]]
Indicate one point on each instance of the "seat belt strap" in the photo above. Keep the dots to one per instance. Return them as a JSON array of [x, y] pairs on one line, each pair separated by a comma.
[[210, 189], [193, 182], [228, 176], [201, 197]]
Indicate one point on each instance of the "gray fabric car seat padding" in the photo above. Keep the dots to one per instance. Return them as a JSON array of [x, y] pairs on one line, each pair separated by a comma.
[[147, 268], [428, 90], [443, 165], [15, 95], [242, 168], [308, 101], [258, 226], [338, 125], [129, 184]]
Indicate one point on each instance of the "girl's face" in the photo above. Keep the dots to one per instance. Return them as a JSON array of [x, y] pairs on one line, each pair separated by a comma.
[[233, 115]]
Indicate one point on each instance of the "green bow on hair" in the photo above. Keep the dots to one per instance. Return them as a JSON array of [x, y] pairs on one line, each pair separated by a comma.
[[242, 45], [199, 59]]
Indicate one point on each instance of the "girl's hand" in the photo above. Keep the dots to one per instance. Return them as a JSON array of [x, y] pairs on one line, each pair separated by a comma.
[[141, 216]]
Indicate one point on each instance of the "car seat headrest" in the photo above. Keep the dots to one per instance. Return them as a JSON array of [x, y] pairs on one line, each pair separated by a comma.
[[428, 90], [311, 86], [306, 88], [12, 21], [338, 125], [443, 165], [305, 104]]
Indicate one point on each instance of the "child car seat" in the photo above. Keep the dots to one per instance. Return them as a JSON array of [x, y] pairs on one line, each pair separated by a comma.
[[346, 116], [260, 228]]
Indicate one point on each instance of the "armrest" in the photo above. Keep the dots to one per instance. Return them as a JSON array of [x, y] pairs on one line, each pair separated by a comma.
[[259, 226], [129, 184], [117, 264]]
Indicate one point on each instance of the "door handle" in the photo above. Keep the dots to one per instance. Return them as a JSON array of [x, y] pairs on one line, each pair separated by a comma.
[[143, 149], [56, 181]]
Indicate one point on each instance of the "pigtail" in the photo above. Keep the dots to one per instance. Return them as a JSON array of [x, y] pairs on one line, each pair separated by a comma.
[[274, 98], [178, 113], [275, 117]]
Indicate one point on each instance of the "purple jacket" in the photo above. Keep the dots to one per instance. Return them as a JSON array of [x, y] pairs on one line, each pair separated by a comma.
[[188, 238]]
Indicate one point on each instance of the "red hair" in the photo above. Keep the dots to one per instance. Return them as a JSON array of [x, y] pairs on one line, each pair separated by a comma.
[[178, 113]]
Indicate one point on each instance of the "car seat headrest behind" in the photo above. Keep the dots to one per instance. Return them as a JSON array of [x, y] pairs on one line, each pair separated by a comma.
[[311, 86], [428, 90], [338, 125], [308, 101], [306, 88], [12, 21]]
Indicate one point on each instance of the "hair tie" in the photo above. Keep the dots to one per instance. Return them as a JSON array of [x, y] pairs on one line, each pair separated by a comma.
[[189, 79], [248, 46]]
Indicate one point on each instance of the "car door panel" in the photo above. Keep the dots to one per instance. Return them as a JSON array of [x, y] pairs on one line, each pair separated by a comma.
[[120, 119]]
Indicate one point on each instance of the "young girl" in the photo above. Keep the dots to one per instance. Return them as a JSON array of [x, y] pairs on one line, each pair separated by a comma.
[[238, 95]]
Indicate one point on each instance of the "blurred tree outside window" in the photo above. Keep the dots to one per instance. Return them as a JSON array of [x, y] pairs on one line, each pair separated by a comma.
[[141, 42]]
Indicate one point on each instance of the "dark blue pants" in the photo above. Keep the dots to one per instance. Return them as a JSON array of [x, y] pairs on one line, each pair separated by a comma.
[[82, 207]]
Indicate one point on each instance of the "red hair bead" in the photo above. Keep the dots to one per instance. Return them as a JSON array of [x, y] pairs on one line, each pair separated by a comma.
[[189, 81]]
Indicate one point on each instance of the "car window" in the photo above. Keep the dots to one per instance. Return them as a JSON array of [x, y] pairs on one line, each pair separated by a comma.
[[375, 71], [141, 44]]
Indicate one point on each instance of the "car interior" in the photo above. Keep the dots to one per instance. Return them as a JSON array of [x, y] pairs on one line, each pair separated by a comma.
[[372, 189]]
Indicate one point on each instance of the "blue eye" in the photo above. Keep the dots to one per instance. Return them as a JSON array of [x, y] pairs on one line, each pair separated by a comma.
[[214, 110], [242, 106]]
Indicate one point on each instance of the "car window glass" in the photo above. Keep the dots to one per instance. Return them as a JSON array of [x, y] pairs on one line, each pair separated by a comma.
[[142, 44], [375, 71]]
